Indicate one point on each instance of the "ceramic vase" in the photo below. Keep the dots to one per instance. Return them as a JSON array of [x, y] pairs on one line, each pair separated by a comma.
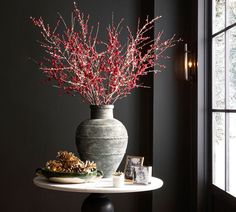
[[102, 139]]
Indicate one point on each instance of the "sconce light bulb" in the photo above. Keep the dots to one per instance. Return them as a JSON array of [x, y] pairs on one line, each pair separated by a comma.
[[190, 64]]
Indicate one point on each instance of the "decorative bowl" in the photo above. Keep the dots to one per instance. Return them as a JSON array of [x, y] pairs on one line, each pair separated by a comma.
[[73, 177]]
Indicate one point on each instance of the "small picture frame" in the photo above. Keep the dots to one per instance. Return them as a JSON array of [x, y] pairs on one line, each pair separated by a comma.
[[131, 162], [141, 175]]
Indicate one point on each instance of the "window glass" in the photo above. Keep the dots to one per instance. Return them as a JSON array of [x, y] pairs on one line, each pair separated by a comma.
[[218, 160], [218, 68], [231, 12], [231, 68], [232, 154], [218, 15]]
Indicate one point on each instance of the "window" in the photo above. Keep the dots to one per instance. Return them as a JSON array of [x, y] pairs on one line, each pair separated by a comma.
[[223, 109]]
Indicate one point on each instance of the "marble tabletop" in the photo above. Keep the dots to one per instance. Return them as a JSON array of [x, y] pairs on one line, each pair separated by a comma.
[[104, 185]]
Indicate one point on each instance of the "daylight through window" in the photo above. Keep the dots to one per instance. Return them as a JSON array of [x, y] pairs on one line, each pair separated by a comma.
[[223, 38]]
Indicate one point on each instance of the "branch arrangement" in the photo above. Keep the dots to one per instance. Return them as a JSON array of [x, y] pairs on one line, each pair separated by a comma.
[[74, 63]]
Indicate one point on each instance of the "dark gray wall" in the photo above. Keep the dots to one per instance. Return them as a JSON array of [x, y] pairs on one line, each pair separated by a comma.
[[36, 122], [173, 113]]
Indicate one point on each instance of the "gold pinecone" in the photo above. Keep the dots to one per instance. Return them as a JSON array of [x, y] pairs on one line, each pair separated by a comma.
[[67, 162]]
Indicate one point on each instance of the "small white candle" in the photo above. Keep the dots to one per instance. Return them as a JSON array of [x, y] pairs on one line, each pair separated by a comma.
[[118, 180]]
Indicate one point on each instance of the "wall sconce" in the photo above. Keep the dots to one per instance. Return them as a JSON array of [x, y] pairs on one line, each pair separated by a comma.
[[188, 64]]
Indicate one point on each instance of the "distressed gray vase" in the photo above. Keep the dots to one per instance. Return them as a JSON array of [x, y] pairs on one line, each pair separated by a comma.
[[102, 139]]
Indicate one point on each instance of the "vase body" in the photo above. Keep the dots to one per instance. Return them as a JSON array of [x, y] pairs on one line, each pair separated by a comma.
[[102, 139]]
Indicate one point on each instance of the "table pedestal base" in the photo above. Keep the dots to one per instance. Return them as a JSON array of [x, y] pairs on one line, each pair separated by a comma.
[[97, 202]]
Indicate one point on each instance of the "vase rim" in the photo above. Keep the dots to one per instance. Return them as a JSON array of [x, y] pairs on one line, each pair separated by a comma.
[[102, 106]]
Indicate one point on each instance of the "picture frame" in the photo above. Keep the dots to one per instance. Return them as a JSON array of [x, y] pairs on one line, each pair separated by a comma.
[[131, 162], [141, 175]]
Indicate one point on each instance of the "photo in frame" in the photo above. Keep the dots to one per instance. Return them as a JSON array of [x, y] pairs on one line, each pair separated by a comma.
[[131, 162], [141, 174]]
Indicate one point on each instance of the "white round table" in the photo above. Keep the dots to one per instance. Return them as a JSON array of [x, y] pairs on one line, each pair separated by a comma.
[[97, 201]]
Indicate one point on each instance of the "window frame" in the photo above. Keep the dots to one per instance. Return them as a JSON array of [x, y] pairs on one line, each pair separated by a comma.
[[212, 110], [208, 196]]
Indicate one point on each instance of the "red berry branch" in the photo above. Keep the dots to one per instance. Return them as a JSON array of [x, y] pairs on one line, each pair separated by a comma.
[[100, 77]]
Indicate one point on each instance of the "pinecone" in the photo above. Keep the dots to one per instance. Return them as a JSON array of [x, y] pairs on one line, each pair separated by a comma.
[[54, 165], [67, 162]]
